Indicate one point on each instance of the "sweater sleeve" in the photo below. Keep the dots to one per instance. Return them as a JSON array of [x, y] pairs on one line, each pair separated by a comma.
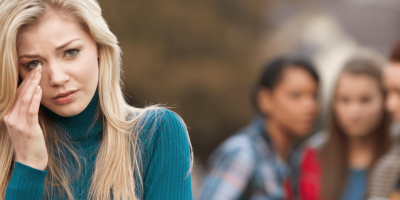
[[26, 183], [166, 172]]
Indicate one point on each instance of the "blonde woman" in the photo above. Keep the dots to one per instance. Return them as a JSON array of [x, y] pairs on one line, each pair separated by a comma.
[[65, 130]]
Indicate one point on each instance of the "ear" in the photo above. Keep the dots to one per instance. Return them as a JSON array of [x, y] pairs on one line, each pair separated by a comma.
[[264, 101]]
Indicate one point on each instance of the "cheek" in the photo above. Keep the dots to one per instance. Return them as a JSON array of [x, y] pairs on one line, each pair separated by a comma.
[[342, 113], [86, 71], [393, 102], [373, 113], [286, 109], [22, 73]]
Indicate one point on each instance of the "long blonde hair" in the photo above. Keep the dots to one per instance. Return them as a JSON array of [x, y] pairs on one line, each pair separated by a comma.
[[117, 164]]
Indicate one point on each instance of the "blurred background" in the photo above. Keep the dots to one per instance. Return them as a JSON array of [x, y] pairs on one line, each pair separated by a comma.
[[203, 57]]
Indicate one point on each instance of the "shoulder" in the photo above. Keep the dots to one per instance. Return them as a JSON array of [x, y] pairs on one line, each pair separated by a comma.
[[309, 148], [244, 139], [154, 125], [237, 148], [164, 152], [309, 162], [162, 135], [156, 115], [238, 143], [317, 140], [308, 154], [156, 121], [159, 129]]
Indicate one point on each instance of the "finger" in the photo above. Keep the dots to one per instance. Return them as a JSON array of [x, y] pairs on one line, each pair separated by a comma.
[[11, 109], [34, 109], [8, 113], [22, 88], [8, 117], [26, 81], [26, 100], [15, 110]]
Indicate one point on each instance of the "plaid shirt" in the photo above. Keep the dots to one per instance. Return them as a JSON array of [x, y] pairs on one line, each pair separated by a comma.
[[245, 166]]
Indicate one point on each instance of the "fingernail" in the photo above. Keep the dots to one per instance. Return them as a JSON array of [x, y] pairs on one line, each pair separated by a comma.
[[38, 89], [38, 68]]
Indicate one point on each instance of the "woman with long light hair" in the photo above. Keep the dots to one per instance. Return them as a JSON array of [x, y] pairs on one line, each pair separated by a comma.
[[66, 131]]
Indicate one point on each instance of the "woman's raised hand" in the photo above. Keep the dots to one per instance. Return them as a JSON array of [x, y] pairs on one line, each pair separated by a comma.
[[22, 123]]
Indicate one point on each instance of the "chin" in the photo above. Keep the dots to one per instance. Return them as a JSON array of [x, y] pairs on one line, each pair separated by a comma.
[[67, 113], [357, 134], [67, 110], [300, 132]]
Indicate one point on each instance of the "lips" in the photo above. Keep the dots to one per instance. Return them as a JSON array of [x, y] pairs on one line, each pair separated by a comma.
[[65, 97], [63, 94]]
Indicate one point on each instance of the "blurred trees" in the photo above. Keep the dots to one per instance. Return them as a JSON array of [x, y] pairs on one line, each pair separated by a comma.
[[200, 57]]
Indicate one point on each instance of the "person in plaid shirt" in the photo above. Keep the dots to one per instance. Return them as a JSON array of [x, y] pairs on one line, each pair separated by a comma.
[[253, 163]]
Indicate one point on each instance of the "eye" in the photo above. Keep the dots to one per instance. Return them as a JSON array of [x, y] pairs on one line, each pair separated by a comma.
[[32, 64], [344, 100], [365, 99], [71, 52], [295, 95], [315, 96]]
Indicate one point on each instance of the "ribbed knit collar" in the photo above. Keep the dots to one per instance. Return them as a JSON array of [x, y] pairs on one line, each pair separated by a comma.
[[82, 125]]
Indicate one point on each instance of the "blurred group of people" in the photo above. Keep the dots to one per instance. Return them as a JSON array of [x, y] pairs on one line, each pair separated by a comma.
[[355, 156]]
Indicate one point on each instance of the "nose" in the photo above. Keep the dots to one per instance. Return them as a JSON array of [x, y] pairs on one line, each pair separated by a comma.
[[57, 75], [354, 109], [310, 104]]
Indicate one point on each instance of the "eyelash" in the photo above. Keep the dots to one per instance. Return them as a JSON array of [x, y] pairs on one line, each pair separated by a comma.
[[65, 54], [76, 52]]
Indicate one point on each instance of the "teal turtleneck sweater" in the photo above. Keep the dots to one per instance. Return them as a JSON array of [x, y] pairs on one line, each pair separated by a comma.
[[165, 156]]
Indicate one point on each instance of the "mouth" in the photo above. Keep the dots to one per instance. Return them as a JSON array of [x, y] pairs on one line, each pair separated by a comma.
[[65, 97]]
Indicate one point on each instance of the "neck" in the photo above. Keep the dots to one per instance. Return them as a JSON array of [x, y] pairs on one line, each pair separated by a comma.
[[81, 126], [361, 151], [281, 139]]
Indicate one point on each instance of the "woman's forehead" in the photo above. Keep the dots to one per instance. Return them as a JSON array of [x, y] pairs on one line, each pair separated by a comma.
[[52, 30]]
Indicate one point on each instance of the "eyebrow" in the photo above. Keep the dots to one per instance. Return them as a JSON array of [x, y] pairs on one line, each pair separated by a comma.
[[65, 44], [57, 49]]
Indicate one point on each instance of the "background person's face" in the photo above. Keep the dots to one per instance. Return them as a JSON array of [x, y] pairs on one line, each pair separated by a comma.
[[68, 56], [358, 104], [392, 86], [293, 104]]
